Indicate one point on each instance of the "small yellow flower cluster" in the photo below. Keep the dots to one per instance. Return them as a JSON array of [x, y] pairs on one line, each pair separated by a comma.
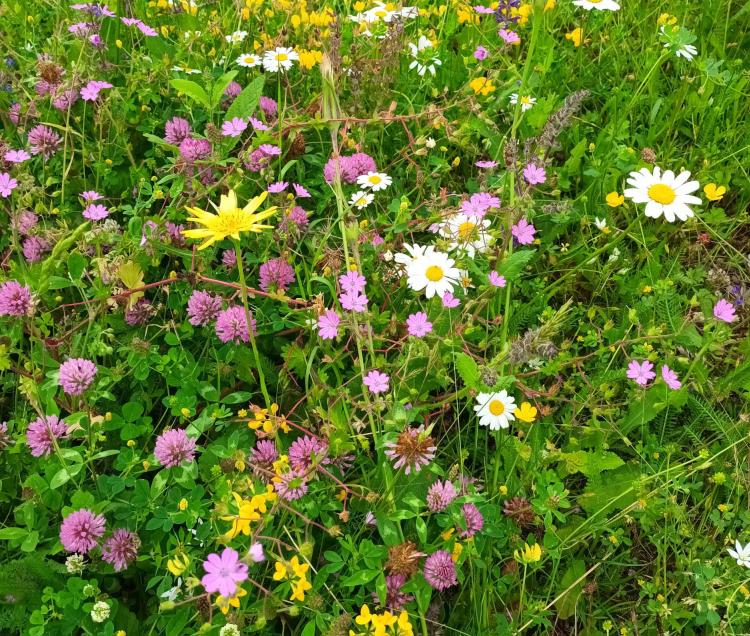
[[322, 18], [529, 554], [309, 58], [270, 423], [179, 564], [383, 624], [233, 601], [296, 573], [248, 510], [482, 86]]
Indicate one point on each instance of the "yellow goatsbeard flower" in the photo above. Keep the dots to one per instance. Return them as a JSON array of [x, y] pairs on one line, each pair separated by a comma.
[[230, 221]]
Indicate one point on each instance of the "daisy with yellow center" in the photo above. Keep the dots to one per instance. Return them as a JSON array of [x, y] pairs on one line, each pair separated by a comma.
[[600, 5], [664, 194], [230, 220], [279, 59], [374, 181], [249, 60], [526, 101], [467, 233], [433, 272], [495, 409]]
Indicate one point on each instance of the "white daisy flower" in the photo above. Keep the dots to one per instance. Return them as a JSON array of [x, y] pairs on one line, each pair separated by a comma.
[[413, 253], [236, 37], [281, 58], [375, 181], [526, 101], [467, 233], [495, 410], [361, 199], [740, 554], [434, 273], [601, 5], [663, 193], [249, 60]]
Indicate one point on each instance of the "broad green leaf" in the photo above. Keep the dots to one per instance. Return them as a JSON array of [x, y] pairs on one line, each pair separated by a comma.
[[193, 90], [468, 370], [132, 277]]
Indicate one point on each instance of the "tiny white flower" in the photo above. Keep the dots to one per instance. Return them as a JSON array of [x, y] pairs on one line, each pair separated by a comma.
[[600, 223], [361, 199], [236, 37], [688, 51], [375, 181], [740, 554], [526, 101], [430, 142], [187, 70]]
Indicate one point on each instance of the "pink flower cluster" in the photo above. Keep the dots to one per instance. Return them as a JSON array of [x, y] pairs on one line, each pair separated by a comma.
[[353, 298], [479, 204], [642, 373]]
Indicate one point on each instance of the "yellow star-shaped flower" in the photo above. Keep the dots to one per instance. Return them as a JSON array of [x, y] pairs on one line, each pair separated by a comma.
[[230, 221], [526, 413]]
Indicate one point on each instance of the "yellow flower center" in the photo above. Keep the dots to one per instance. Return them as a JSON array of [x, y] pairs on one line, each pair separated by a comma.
[[595, 1], [434, 273], [282, 57], [249, 59], [375, 179], [466, 230], [497, 407], [662, 193], [525, 100]]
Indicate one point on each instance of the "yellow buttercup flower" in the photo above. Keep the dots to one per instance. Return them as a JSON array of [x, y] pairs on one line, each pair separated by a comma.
[[178, 565], [615, 200], [529, 554], [230, 221], [526, 412], [714, 192]]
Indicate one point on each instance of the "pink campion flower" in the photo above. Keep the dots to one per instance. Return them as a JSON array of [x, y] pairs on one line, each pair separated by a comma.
[[278, 187], [42, 434], [670, 378], [496, 280], [90, 92], [15, 299], [16, 156], [257, 124], [300, 191], [473, 207], [534, 174], [486, 164], [174, 447], [641, 372], [523, 232], [724, 310], [95, 212], [255, 553], [352, 282], [417, 324], [353, 302], [480, 53], [233, 128], [440, 571], [231, 325], [76, 375], [90, 195], [486, 199], [376, 381], [121, 549], [81, 530], [328, 325], [481, 10], [450, 301], [509, 37], [224, 573], [7, 184]]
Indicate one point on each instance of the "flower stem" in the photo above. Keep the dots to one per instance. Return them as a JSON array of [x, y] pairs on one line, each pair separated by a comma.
[[243, 293]]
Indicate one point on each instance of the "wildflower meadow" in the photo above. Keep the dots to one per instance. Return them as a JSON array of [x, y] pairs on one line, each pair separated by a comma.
[[348, 318]]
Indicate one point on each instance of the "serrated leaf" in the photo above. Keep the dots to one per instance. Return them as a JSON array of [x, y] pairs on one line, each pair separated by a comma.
[[193, 90], [246, 102], [131, 276], [468, 370], [512, 266]]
